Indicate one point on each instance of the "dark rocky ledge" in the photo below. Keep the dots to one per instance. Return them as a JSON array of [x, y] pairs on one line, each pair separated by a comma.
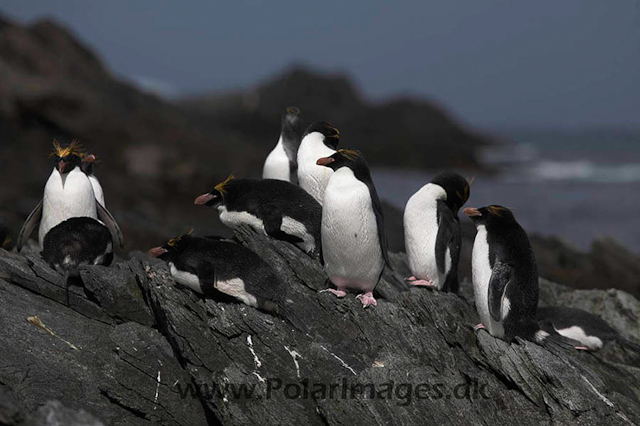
[[133, 346]]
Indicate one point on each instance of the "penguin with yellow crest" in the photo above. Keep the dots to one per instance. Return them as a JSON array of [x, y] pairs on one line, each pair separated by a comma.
[[280, 209], [68, 193], [354, 245]]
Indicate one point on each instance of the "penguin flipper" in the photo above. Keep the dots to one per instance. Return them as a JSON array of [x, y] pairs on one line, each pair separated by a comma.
[[445, 238], [500, 278], [109, 221], [29, 225]]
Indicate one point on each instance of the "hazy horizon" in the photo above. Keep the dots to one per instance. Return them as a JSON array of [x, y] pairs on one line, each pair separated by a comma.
[[491, 65]]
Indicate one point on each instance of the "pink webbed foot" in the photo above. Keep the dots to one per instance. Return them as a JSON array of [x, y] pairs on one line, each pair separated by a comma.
[[581, 348], [338, 293], [423, 283], [367, 299], [479, 327], [411, 278]]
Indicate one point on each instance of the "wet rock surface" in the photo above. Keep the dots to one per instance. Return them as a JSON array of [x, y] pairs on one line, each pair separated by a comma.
[[164, 355]]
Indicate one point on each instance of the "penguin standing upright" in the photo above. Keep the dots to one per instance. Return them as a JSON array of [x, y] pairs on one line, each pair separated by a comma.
[[354, 245], [319, 140], [505, 275], [282, 162], [74, 242], [87, 167], [68, 193], [432, 232], [280, 209]]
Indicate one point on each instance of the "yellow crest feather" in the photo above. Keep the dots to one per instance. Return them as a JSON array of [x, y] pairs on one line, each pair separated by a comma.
[[349, 154], [496, 210], [74, 148], [221, 186], [175, 240]]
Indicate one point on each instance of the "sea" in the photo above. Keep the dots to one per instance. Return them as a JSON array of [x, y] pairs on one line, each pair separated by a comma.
[[577, 185]]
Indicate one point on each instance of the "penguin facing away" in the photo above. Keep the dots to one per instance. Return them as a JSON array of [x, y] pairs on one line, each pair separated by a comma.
[[282, 162], [505, 275], [319, 140], [210, 267], [67, 193], [590, 330], [87, 167], [280, 209], [432, 232], [354, 244], [74, 242]]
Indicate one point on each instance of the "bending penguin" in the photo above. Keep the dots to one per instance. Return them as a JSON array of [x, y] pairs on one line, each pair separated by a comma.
[[505, 275], [87, 167], [280, 209], [320, 140], [432, 232], [590, 330], [74, 242], [354, 245], [282, 162], [217, 268], [68, 193]]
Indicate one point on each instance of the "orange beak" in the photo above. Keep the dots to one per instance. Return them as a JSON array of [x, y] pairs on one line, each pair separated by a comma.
[[470, 211], [204, 199], [324, 161], [157, 251]]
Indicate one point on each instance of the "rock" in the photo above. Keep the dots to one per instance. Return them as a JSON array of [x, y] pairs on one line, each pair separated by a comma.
[[53, 413], [117, 292], [606, 265]]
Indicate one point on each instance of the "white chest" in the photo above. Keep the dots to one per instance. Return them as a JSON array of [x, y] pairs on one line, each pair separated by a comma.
[[421, 232], [276, 166], [481, 271], [187, 279], [64, 197], [233, 219], [577, 333], [350, 242], [311, 177]]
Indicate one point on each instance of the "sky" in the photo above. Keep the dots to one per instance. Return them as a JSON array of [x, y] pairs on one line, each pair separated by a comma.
[[492, 64]]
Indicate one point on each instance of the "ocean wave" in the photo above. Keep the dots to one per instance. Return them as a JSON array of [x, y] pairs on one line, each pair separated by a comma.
[[584, 170]]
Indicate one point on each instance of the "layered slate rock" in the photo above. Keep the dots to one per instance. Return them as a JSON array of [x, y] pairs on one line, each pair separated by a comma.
[[173, 357]]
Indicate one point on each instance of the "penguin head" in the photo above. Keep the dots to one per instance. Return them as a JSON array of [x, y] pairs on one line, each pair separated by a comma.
[[330, 134], [68, 157], [292, 124], [345, 158], [216, 196], [172, 248], [87, 164], [456, 187], [490, 216]]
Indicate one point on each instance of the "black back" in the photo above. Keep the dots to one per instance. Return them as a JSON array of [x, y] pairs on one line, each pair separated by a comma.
[[271, 200], [83, 239], [562, 317], [291, 132], [331, 133], [213, 259], [449, 237], [357, 163]]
